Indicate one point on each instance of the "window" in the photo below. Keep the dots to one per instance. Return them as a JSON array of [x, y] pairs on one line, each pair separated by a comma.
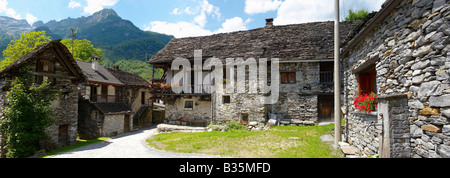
[[288, 77], [226, 99], [367, 81], [45, 66], [326, 72], [244, 119], [188, 105]]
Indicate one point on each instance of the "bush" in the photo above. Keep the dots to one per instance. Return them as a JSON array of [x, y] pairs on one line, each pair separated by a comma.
[[233, 125], [27, 114]]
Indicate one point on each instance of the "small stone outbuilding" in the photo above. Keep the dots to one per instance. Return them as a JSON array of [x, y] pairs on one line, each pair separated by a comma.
[[52, 62]]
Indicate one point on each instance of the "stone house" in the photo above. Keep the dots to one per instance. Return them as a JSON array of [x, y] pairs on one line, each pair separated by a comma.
[[100, 111], [53, 62], [112, 101], [135, 93], [306, 57], [403, 55]]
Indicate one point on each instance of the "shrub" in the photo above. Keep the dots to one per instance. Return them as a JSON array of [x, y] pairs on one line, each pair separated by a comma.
[[233, 125], [27, 114]]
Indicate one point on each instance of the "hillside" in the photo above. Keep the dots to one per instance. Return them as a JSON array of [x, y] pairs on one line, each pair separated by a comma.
[[119, 39]]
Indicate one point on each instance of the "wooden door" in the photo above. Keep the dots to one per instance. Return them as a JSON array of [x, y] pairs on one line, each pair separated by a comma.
[[126, 124], [326, 108], [63, 135]]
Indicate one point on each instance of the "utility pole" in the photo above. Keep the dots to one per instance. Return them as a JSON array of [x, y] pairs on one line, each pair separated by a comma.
[[337, 78], [72, 33]]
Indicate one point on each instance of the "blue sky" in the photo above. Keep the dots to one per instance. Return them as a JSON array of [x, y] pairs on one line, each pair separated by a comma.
[[184, 18]]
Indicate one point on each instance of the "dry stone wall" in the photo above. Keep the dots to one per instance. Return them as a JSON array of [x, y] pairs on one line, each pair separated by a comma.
[[413, 45]]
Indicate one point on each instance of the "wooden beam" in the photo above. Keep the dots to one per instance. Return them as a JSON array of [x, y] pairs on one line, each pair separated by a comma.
[[65, 61], [54, 75]]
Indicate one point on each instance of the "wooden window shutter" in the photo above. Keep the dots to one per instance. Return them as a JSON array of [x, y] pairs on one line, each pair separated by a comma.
[[284, 78], [292, 77]]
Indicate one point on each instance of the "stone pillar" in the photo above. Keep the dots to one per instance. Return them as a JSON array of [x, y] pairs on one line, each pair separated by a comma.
[[394, 114]]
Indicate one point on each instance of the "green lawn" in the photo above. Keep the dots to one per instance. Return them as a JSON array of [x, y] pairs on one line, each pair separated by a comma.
[[279, 142]]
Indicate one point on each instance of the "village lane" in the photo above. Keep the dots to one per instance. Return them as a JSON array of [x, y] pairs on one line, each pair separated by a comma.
[[130, 145]]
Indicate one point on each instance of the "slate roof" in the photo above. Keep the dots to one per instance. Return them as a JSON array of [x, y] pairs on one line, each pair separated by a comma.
[[129, 79], [113, 108], [59, 47], [102, 76], [290, 42]]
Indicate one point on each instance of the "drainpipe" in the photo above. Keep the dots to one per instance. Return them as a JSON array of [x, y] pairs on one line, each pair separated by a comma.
[[337, 78]]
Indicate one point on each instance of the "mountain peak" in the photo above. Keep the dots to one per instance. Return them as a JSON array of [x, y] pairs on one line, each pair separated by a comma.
[[105, 13], [102, 15]]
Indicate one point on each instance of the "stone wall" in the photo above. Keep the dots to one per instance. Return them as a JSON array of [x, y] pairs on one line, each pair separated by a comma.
[[90, 120], [113, 125], [412, 44], [175, 109]]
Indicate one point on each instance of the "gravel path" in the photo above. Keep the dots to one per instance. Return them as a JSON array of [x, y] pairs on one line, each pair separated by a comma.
[[130, 145]]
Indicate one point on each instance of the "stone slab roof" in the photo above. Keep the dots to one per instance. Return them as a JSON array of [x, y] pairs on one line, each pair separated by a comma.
[[113, 108], [290, 42], [102, 76], [59, 49], [129, 79]]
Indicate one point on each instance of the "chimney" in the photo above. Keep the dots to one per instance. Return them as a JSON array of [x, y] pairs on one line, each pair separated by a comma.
[[116, 67], [269, 22], [95, 64]]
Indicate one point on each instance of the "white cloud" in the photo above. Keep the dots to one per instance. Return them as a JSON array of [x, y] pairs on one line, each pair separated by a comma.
[[8, 11], [187, 10], [31, 18], [261, 6], [176, 12], [188, 29], [97, 5], [233, 24], [179, 30], [196, 27], [294, 11], [74, 4], [303, 11]]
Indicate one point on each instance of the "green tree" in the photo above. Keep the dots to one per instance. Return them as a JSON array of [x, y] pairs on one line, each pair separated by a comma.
[[354, 15], [84, 49], [25, 44], [27, 114]]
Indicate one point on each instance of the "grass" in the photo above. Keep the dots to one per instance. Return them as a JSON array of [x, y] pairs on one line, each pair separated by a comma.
[[280, 142], [80, 143]]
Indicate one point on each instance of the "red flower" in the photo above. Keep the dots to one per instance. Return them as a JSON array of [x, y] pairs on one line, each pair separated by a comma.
[[366, 102]]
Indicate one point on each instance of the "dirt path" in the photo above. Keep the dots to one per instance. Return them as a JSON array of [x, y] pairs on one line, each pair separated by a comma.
[[130, 145]]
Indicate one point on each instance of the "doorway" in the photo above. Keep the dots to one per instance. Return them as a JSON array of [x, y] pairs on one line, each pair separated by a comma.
[[63, 135], [126, 124], [326, 108]]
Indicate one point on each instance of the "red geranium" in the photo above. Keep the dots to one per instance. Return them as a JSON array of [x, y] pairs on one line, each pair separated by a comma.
[[367, 102]]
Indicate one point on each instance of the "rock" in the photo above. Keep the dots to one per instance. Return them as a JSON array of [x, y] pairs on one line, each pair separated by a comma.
[[434, 26], [416, 132], [431, 128], [418, 79], [422, 51], [446, 113], [440, 101], [349, 150], [446, 130], [444, 151], [421, 65], [416, 105], [253, 123], [438, 5], [429, 111], [273, 121]]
